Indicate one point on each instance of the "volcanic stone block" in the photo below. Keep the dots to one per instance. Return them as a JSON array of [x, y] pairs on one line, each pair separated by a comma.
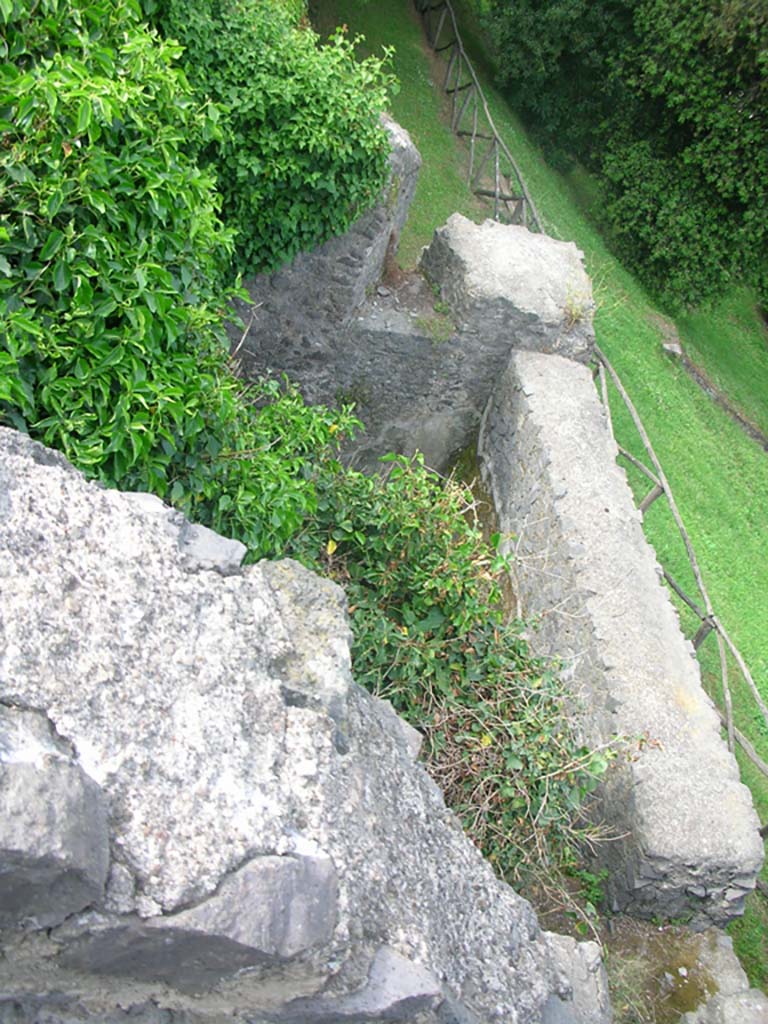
[[269, 830], [585, 573], [54, 848], [271, 909], [502, 280], [396, 989]]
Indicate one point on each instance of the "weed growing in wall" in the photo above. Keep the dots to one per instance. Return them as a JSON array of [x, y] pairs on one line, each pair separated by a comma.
[[430, 636]]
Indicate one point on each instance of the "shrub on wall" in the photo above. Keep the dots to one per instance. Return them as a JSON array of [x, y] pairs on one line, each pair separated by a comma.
[[112, 346], [431, 636], [301, 152]]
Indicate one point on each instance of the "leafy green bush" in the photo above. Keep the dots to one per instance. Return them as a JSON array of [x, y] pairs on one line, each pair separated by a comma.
[[430, 636], [301, 152], [661, 222], [110, 246], [112, 347]]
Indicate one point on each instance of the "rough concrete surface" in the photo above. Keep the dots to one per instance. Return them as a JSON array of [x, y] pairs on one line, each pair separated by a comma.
[[251, 837], [504, 279], [586, 576]]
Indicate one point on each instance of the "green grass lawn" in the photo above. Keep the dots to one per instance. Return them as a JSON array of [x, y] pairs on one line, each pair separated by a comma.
[[730, 342], [718, 475]]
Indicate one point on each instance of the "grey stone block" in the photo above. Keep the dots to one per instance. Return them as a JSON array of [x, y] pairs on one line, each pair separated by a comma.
[[411, 737], [583, 998], [54, 847], [201, 548], [740, 1008], [734, 1002], [396, 989], [269, 830], [280, 906], [205, 549], [584, 569], [269, 910]]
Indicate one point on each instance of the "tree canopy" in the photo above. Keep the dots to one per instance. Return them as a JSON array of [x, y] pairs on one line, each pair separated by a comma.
[[667, 102]]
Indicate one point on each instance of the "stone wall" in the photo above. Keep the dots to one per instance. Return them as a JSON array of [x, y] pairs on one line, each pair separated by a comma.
[[504, 291], [589, 581], [202, 817], [502, 280], [419, 379], [330, 282]]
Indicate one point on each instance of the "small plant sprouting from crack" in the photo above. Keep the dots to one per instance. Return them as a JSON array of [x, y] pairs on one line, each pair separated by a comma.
[[439, 327], [579, 307]]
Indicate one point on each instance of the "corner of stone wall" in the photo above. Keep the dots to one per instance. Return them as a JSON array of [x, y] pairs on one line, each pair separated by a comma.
[[502, 280], [332, 281]]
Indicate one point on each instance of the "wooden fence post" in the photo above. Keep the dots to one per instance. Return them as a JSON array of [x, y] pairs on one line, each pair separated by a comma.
[[656, 492]]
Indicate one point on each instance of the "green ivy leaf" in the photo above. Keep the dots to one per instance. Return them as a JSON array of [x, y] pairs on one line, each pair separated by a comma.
[[52, 244], [84, 114], [62, 276]]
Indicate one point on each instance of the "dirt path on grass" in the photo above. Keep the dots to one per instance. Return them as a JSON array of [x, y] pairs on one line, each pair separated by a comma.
[[674, 347]]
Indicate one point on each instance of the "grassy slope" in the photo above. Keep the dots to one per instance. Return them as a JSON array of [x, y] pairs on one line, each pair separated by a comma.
[[719, 476], [729, 342], [442, 187]]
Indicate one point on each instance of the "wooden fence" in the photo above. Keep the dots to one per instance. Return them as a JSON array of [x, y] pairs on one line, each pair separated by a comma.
[[701, 606], [471, 119]]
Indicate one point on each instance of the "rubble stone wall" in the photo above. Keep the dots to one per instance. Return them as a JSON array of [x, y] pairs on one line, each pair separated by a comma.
[[330, 282]]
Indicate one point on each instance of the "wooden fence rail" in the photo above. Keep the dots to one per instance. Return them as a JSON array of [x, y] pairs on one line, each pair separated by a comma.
[[468, 102], [702, 608]]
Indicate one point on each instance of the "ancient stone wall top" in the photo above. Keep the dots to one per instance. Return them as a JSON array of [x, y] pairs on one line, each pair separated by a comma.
[[504, 278], [590, 582], [419, 379], [202, 817]]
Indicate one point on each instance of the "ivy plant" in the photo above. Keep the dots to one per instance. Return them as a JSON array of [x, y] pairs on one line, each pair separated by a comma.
[[431, 635], [112, 261]]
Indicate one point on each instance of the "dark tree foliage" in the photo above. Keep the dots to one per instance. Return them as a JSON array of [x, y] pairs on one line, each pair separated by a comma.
[[668, 103]]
